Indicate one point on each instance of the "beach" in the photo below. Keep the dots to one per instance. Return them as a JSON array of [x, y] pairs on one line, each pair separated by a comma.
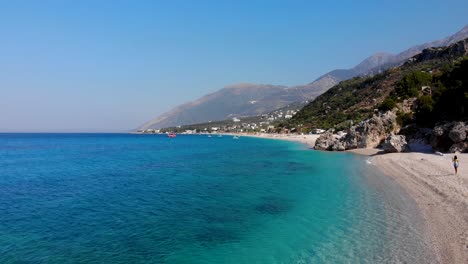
[[441, 196], [429, 179], [308, 140]]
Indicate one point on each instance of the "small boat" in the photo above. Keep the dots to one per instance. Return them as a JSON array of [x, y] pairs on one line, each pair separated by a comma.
[[209, 135], [235, 137], [172, 135], [220, 135]]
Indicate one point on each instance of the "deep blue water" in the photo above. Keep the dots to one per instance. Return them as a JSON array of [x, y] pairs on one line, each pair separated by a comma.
[[121, 198]]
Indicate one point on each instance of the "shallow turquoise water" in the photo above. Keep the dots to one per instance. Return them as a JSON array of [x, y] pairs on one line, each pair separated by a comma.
[[117, 198]]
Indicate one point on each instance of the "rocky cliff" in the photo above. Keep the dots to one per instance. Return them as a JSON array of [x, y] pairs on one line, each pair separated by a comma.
[[450, 137], [430, 89], [367, 134], [456, 50]]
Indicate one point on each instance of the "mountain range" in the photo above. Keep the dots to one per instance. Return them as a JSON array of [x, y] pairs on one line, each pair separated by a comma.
[[246, 99]]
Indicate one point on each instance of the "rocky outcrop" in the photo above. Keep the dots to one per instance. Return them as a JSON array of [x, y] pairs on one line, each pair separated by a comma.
[[395, 143], [459, 147], [325, 141], [369, 133], [338, 146], [380, 129], [329, 141], [416, 135], [451, 137], [458, 132], [456, 50], [407, 105]]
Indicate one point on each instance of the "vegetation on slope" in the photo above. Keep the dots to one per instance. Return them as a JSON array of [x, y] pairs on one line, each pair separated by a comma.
[[440, 86], [448, 100]]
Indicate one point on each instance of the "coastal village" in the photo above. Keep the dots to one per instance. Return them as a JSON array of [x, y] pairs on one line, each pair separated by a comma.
[[265, 123]]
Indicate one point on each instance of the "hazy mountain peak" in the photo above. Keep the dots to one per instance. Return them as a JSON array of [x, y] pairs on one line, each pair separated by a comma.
[[246, 85], [463, 30], [382, 54], [241, 85], [374, 61]]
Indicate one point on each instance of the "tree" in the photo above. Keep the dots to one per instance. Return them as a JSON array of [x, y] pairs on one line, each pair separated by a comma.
[[410, 85], [452, 94], [425, 107]]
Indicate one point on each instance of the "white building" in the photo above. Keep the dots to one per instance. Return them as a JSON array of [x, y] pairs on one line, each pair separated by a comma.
[[318, 131]]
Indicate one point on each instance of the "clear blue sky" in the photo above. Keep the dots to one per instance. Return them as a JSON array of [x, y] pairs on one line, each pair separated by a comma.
[[112, 65]]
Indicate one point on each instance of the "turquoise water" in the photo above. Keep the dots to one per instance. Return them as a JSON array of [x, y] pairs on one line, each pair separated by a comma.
[[118, 198]]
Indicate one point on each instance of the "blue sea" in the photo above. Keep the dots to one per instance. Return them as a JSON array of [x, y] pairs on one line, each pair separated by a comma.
[[123, 198]]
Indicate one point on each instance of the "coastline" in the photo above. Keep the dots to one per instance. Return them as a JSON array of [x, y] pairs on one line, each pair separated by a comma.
[[308, 140], [441, 196], [429, 179]]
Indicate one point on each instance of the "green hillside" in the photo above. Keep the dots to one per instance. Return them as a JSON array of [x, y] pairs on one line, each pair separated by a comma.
[[436, 80]]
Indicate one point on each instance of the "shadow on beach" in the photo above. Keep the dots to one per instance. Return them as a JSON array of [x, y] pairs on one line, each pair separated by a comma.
[[418, 148]]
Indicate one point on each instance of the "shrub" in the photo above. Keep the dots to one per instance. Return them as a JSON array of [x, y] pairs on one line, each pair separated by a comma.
[[425, 103], [344, 125], [403, 118], [387, 105]]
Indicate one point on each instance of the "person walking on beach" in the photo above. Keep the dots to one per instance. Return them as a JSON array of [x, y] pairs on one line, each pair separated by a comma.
[[455, 163]]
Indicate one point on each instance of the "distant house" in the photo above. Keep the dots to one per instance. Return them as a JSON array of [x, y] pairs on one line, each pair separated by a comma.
[[235, 119], [288, 116], [151, 130], [318, 131], [426, 90]]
